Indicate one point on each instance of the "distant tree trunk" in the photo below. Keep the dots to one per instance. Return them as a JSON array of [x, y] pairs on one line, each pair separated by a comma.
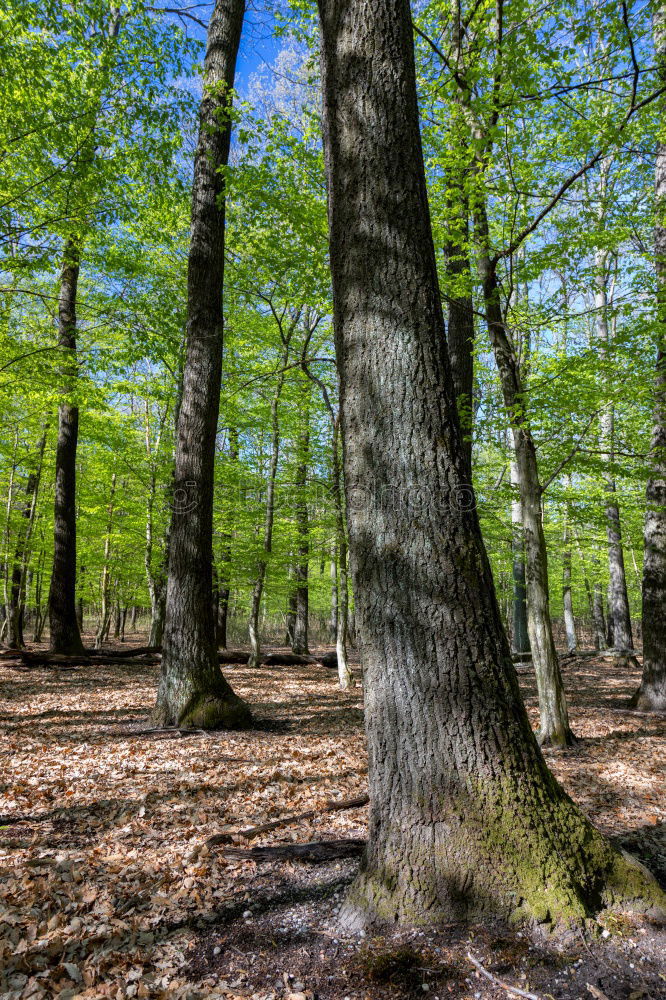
[[192, 690], [269, 515], [599, 617], [79, 606], [342, 604], [618, 600], [520, 640], [465, 818], [133, 618], [22, 552], [64, 627], [105, 612], [651, 695], [333, 626], [300, 636], [225, 556], [567, 601], [554, 729], [39, 615]]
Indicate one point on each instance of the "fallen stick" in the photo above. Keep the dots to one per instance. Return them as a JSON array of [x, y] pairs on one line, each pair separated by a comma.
[[315, 852], [123, 654], [498, 982], [251, 832]]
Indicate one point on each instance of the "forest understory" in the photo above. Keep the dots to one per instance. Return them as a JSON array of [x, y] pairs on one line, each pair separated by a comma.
[[109, 889]]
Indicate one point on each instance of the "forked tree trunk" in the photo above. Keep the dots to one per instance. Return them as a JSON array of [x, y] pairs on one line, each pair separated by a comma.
[[651, 696], [192, 690], [63, 623], [465, 818]]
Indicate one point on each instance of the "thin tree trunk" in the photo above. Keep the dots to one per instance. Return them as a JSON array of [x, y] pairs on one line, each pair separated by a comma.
[[520, 640], [342, 604], [651, 695], [22, 552], [567, 600], [301, 594], [225, 556], [105, 612], [192, 691], [618, 599], [465, 818], [554, 729], [269, 515], [333, 624]]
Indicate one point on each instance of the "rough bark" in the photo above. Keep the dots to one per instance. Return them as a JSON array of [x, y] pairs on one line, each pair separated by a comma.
[[192, 691], [465, 818], [63, 623], [651, 696]]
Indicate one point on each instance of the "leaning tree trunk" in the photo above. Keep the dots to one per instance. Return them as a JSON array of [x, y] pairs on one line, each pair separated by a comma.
[[192, 690], [651, 696], [554, 729], [64, 626], [465, 818]]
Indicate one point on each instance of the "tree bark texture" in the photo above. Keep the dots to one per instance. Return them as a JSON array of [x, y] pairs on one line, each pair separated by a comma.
[[63, 623], [465, 818], [651, 696], [192, 691]]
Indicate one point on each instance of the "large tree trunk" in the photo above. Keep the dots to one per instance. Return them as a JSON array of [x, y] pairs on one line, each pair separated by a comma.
[[554, 729], [651, 696], [64, 626], [465, 818], [192, 690]]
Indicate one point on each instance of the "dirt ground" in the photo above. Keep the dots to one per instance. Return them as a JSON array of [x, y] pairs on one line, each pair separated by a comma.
[[107, 888]]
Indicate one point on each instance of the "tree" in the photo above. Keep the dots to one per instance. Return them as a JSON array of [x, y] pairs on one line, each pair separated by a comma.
[[192, 690], [465, 818], [651, 695]]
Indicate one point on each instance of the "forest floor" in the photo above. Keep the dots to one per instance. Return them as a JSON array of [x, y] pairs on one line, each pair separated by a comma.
[[107, 887]]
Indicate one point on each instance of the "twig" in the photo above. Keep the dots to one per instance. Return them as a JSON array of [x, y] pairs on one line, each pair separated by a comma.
[[255, 831], [498, 982]]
